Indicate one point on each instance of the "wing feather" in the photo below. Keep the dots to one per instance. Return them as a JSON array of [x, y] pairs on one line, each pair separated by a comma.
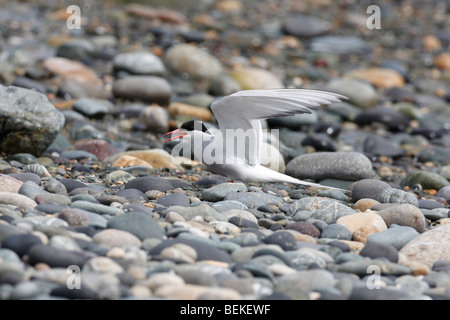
[[244, 110]]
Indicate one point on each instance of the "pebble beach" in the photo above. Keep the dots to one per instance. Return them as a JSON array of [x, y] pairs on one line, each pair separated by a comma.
[[94, 205]]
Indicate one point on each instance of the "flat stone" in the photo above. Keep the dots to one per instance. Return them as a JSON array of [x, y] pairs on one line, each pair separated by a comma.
[[218, 192], [16, 199], [404, 215], [116, 238], [349, 166], [396, 236], [137, 223], [253, 199], [314, 208]]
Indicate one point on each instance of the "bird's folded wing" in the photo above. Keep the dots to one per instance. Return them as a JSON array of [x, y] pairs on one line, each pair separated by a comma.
[[243, 110]]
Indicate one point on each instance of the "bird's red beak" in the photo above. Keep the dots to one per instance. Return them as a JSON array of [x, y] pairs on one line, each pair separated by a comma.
[[177, 133]]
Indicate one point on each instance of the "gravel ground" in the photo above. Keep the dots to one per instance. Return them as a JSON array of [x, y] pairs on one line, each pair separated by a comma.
[[93, 205]]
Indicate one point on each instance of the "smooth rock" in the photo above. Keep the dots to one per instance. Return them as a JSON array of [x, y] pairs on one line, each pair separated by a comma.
[[376, 250], [55, 257], [382, 78], [157, 158], [358, 92], [392, 119], [393, 195], [29, 122], [396, 236], [256, 78], [98, 147], [284, 239], [20, 243], [350, 166], [428, 180], [150, 89], [305, 26], [193, 61], [139, 63], [253, 199], [137, 223], [93, 108], [155, 118], [147, 183], [430, 246], [310, 207], [404, 215], [368, 188], [358, 220], [16, 199], [9, 184], [336, 231], [116, 238], [218, 192]]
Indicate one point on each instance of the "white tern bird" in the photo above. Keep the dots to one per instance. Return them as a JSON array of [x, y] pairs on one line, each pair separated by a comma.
[[234, 150]]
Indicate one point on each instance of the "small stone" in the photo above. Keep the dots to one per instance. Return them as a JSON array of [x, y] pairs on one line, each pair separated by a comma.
[[392, 119], [404, 215], [95, 207], [349, 166], [253, 199], [29, 122], [358, 92], [193, 292], [393, 195], [355, 221], [186, 110], [336, 231], [430, 246], [442, 61], [116, 238], [9, 184], [283, 239], [98, 147], [364, 204], [138, 223], [174, 199], [16, 199], [157, 158], [93, 108], [150, 89], [311, 207], [428, 180], [74, 217], [218, 192], [364, 232], [180, 252], [255, 78], [55, 257], [396, 236], [380, 77], [192, 61], [305, 228], [368, 188], [20, 243], [305, 26], [102, 265], [155, 118], [147, 183], [139, 63], [376, 250]]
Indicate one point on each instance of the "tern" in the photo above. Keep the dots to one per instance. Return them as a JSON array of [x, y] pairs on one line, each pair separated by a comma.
[[239, 117]]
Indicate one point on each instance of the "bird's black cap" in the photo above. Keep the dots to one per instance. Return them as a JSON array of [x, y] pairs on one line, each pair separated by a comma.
[[194, 125]]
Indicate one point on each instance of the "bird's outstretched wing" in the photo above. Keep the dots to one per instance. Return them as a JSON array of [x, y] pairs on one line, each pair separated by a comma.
[[243, 110]]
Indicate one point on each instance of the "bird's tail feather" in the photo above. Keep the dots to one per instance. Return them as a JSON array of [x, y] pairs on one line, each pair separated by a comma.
[[281, 177]]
